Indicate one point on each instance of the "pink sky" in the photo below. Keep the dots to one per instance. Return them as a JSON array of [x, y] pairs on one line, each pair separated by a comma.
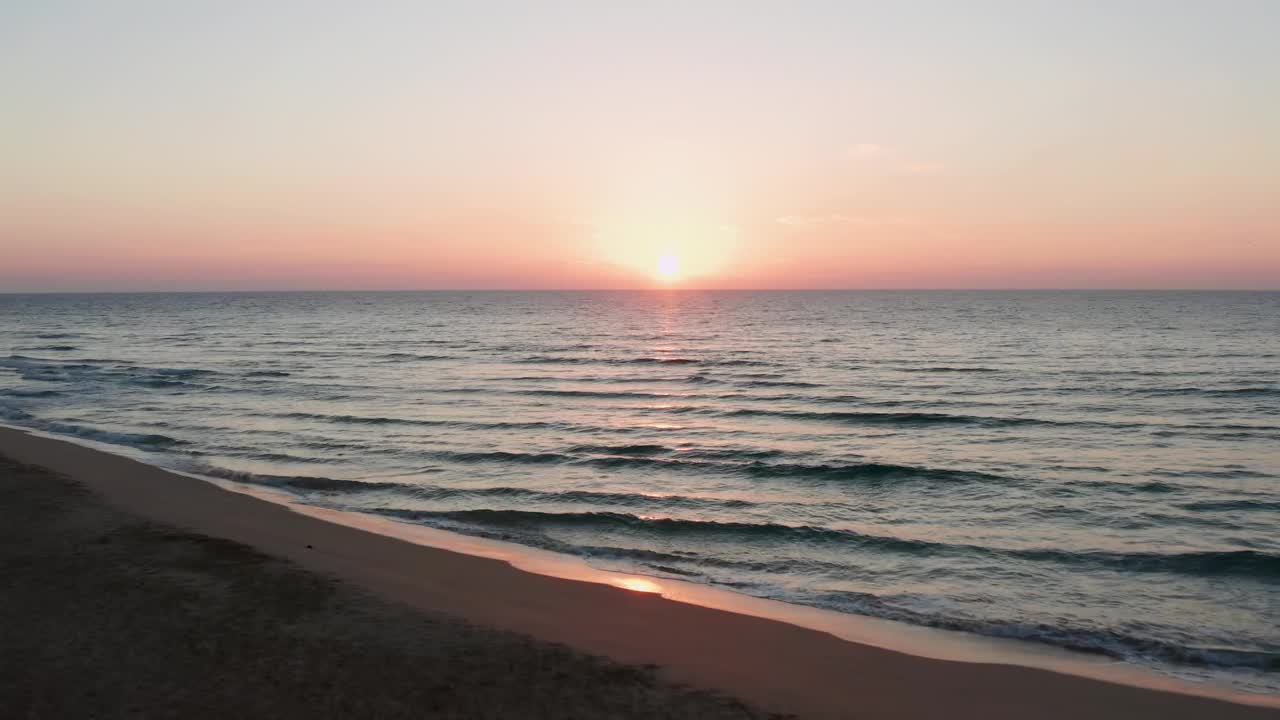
[[829, 146]]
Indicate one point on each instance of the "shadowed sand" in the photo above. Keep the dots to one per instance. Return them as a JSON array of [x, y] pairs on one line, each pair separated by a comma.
[[107, 615], [117, 608]]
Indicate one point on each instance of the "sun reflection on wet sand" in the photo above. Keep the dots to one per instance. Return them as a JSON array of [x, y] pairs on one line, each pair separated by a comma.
[[637, 584]]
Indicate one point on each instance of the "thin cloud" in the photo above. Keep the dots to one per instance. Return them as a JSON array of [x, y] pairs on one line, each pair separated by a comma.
[[869, 150]]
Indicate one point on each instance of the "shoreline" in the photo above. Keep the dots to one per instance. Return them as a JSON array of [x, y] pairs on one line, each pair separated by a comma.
[[800, 664], [108, 615]]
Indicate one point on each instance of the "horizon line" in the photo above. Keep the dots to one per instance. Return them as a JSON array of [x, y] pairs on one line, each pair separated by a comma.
[[634, 289]]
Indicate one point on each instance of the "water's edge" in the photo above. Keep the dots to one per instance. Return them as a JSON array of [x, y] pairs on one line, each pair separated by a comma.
[[920, 641]]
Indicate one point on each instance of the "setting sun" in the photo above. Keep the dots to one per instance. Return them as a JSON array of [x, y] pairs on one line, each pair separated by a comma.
[[668, 268], [665, 249]]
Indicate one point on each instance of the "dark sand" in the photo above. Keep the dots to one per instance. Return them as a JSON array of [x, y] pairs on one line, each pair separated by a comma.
[[105, 615], [107, 609]]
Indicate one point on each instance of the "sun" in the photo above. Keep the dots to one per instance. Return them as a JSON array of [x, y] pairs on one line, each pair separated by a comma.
[[668, 268], [664, 253]]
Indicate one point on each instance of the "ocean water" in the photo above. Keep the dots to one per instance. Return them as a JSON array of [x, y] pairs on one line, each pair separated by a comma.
[[1092, 470]]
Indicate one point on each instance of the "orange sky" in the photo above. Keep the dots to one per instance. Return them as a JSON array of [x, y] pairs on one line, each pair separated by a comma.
[[751, 144]]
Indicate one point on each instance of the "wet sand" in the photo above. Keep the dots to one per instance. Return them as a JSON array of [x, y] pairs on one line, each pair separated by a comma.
[[132, 588]]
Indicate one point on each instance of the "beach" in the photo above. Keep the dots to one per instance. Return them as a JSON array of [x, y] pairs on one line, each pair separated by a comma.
[[106, 615], [565, 648], [603, 360], [899, 456]]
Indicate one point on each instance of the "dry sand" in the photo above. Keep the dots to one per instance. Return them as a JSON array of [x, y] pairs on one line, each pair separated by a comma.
[[286, 642], [106, 615]]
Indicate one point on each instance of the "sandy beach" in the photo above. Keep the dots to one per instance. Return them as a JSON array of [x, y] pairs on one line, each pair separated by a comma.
[[132, 590]]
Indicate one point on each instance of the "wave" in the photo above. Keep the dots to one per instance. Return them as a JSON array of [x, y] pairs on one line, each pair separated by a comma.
[[297, 482], [49, 348], [638, 449], [743, 462], [778, 384], [549, 360], [415, 357], [145, 441], [1229, 473], [871, 471], [24, 393], [14, 414], [149, 441], [1148, 486], [890, 418], [1241, 563], [277, 457], [29, 368], [425, 422], [161, 383], [949, 369], [737, 454], [1244, 563], [700, 380], [1212, 392], [267, 373], [435, 492], [500, 456], [315, 353], [1109, 642], [652, 360], [629, 378], [179, 372], [582, 496], [661, 361], [846, 400], [1232, 506], [733, 462], [97, 370], [603, 394], [1238, 563]]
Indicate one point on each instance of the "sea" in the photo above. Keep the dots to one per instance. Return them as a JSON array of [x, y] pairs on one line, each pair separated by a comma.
[[1098, 471]]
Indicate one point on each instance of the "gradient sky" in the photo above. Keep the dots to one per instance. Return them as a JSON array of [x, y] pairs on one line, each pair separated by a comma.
[[290, 145]]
